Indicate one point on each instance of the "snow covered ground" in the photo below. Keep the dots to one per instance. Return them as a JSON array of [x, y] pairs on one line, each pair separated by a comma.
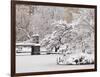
[[40, 63]]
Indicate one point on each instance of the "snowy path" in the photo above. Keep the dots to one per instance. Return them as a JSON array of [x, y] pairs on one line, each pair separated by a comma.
[[40, 63]]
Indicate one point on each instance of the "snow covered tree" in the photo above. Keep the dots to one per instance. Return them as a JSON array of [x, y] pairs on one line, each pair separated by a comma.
[[58, 36]]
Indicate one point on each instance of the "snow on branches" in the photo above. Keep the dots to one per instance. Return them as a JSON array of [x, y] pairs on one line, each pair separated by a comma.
[[55, 40]]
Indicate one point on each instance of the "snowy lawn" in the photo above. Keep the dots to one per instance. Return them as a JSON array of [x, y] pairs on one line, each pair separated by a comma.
[[40, 63]]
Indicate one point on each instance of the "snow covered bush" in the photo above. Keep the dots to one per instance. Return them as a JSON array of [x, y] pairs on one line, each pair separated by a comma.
[[88, 59], [77, 59]]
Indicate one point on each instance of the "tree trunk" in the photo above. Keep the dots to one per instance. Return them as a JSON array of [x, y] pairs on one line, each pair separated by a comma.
[[56, 49]]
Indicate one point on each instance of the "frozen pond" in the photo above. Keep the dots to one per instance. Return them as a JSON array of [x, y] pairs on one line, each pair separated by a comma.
[[41, 63]]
